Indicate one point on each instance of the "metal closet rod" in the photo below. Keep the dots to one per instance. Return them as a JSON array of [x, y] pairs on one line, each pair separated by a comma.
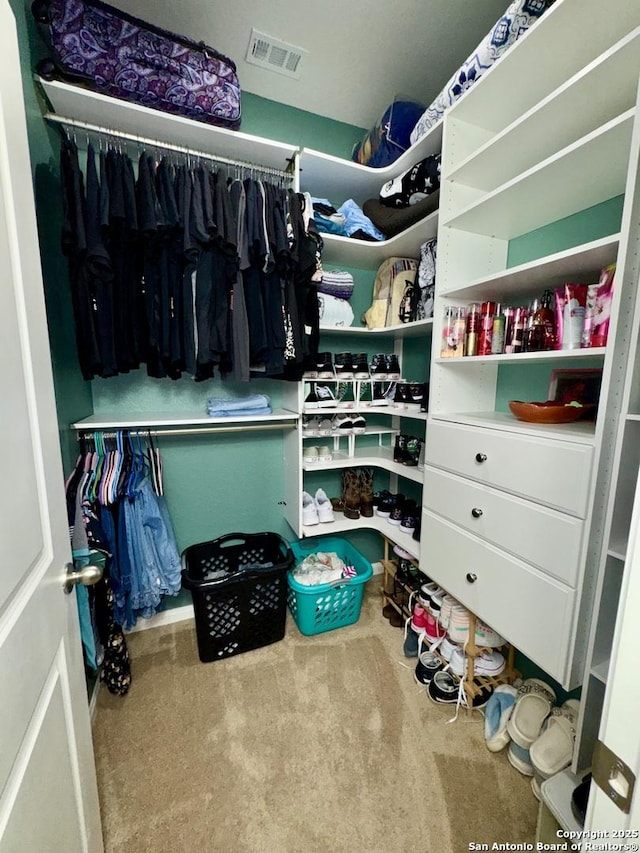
[[287, 172], [156, 433]]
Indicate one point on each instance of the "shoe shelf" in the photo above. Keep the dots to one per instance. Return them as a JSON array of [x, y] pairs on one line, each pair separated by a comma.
[[380, 525], [373, 410], [375, 457]]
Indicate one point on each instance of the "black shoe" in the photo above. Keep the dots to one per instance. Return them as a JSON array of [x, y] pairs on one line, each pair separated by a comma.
[[389, 503], [343, 363], [401, 397], [412, 451], [324, 364], [361, 366], [400, 448], [416, 531], [393, 366], [415, 395], [580, 799], [378, 368], [379, 496], [427, 666], [425, 398], [409, 521], [443, 688], [359, 424]]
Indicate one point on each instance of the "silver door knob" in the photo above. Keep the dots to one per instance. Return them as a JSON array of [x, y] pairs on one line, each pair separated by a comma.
[[472, 577], [87, 576], [481, 457], [476, 512]]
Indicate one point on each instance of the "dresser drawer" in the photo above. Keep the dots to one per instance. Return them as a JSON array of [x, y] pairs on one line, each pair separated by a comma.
[[548, 539], [529, 609], [552, 472]]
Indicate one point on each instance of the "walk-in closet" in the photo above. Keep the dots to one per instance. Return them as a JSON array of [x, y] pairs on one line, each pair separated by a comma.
[[319, 426]]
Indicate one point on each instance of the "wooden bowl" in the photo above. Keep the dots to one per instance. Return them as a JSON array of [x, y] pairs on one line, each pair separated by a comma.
[[550, 412]]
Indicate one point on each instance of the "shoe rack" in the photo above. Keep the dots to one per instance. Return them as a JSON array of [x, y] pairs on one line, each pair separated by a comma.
[[393, 591], [473, 684]]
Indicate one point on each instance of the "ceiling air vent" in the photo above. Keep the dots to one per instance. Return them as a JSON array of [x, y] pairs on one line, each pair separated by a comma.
[[269, 52]]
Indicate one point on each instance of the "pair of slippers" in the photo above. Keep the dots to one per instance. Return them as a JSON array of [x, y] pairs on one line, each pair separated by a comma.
[[541, 737]]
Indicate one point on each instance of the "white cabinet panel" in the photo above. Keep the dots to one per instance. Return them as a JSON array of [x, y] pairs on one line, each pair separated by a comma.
[[529, 609], [554, 473], [549, 540]]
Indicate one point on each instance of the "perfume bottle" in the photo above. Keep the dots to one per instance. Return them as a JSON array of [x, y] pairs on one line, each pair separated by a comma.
[[487, 313], [472, 329]]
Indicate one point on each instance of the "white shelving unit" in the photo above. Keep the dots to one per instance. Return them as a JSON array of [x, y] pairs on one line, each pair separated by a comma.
[[367, 255], [165, 420], [513, 164], [101, 111]]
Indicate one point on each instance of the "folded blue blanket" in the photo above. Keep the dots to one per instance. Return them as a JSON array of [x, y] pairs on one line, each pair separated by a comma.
[[239, 413], [233, 404]]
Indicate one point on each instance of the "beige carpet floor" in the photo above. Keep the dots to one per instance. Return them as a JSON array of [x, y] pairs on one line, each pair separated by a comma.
[[320, 744]]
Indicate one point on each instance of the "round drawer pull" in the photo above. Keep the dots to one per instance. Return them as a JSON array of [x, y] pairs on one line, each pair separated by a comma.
[[476, 512], [472, 577], [481, 457]]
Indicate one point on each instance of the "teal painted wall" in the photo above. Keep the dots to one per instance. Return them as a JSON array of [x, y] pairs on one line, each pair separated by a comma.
[[263, 117], [531, 382]]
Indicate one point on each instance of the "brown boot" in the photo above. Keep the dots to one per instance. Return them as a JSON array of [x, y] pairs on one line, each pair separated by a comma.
[[351, 493], [366, 492]]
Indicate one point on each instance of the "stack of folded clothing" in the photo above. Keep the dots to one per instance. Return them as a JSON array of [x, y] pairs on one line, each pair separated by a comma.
[[407, 198], [338, 283], [236, 407]]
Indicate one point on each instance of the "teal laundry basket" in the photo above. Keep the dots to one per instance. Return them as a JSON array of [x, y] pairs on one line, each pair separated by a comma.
[[327, 606]]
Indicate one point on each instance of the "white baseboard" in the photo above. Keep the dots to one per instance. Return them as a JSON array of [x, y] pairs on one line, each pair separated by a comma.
[[165, 617], [182, 614]]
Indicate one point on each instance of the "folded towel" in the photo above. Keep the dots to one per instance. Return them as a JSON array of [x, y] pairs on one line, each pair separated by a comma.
[[239, 413], [231, 404]]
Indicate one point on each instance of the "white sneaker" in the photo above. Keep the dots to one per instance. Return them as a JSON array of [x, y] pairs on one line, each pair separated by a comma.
[[325, 454], [310, 454], [309, 510], [486, 663], [323, 507]]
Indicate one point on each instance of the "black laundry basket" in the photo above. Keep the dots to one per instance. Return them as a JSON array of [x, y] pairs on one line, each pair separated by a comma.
[[239, 588]]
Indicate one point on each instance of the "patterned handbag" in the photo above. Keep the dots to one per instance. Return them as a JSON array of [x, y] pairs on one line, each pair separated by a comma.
[[97, 46]]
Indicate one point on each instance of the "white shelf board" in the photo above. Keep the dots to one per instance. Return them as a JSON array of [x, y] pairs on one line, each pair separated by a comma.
[[582, 262], [93, 108], [372, 410], [589, 171], [158, 420], [326, 176], [582, 432], [600, 670], [526, 357], [376, 457], [492, 104], [363, 254], [556, 794], [598, 93], [401, 330], [618, 550], [381, 525]]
